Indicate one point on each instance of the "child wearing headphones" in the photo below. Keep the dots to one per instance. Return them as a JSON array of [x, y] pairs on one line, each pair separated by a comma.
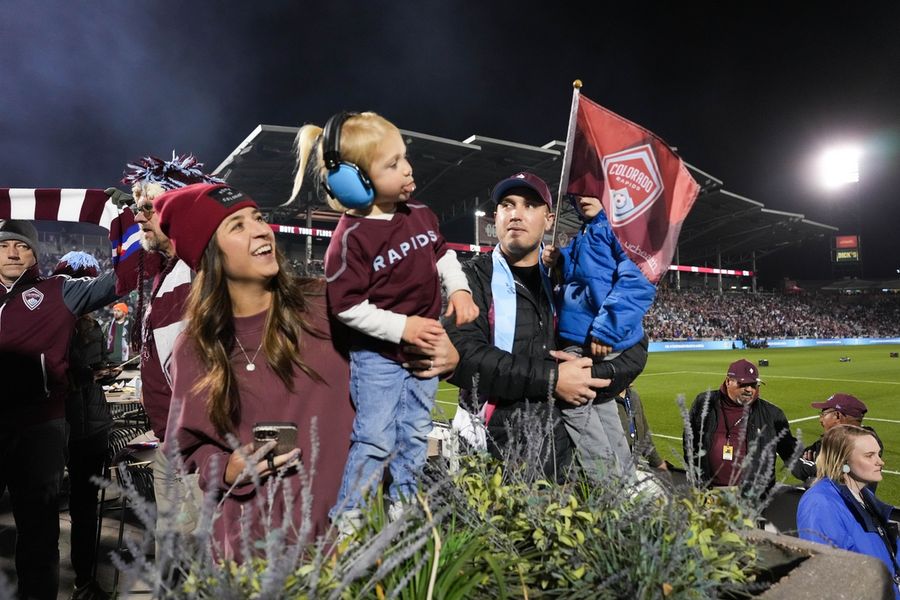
[[384, 268]]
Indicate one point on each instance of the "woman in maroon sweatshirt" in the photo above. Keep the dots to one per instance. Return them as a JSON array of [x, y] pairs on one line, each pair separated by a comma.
[[257, 348]]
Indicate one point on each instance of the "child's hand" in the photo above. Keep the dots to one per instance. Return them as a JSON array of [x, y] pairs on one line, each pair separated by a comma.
[[599, 349], [549, 256], [461, 303], [420, 331]]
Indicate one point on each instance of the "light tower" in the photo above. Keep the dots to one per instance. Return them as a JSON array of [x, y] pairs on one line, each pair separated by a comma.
[[478, 215]]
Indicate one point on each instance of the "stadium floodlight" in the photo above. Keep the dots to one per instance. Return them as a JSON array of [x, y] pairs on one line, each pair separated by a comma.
[[839, 165], [478, 215]]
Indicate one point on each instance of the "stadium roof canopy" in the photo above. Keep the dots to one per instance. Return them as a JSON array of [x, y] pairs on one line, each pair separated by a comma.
[[455, 179]]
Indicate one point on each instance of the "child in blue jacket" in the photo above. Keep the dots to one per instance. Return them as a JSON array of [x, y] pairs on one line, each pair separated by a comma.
[[602, 301]]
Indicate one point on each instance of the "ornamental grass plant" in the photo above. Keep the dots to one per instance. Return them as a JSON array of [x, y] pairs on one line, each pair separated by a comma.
[[489, 529]]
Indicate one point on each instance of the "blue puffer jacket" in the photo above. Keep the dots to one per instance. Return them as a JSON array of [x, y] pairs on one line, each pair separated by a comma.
[[604, 293], [829, 514]]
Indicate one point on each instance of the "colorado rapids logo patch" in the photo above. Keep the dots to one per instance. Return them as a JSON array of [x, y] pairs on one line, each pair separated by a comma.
[[32, 298]]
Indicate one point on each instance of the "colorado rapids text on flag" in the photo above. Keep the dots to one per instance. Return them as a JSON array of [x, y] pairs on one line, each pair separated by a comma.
[[644, 187]]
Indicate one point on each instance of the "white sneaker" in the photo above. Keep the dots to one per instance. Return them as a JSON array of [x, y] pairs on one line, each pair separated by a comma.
[[395, 511], [348, 523]]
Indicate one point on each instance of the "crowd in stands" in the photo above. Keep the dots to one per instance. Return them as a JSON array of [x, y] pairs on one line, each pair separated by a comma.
[[691, 314], [706, 314], [316, 267], [54, 245]]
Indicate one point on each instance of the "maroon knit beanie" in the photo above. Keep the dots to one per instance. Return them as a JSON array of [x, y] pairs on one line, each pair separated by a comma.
[[189, 216]]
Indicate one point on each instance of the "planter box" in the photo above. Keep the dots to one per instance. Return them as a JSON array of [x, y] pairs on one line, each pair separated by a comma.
[[826, 573]]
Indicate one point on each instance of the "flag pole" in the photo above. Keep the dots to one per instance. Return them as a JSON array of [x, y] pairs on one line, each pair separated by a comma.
[[567, 156]]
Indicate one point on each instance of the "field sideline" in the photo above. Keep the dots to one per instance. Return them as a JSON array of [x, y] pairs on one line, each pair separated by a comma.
[[794, 378]]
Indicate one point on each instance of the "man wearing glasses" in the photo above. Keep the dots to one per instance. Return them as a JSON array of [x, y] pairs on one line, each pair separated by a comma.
[[733, 431], [839, 409], [162, 321]]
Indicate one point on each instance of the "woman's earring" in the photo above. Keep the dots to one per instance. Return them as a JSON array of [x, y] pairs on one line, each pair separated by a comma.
[[845, 468]]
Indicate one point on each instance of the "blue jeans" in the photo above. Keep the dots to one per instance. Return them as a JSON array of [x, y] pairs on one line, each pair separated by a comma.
[[393, 419]]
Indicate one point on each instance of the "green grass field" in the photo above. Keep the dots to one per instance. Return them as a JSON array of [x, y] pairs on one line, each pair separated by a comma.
[[794, 378]]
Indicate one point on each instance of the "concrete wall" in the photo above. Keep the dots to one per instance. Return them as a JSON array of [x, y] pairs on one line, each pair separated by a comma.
[[828, 573]]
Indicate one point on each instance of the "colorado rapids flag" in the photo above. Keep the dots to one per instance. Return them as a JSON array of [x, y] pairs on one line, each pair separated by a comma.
[[644, 187], [81, 206]]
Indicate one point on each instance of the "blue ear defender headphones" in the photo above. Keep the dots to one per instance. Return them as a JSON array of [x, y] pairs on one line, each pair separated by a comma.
[[346, 182]]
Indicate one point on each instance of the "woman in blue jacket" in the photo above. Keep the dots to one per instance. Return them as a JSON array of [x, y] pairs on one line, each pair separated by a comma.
[[839, 510]]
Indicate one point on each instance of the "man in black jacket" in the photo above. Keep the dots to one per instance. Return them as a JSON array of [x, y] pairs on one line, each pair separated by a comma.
[[37, 317], [838, 409], [89, 422], [734, 434], [507, 355]]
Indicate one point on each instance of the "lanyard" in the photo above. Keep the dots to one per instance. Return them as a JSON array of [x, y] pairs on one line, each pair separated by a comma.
[[727, 426], [882, 533], [632, 428]]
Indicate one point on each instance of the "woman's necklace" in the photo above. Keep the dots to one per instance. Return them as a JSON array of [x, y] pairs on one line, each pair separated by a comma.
[[250, 366]]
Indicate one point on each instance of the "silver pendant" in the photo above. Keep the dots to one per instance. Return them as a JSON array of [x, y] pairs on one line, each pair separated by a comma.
[[251, 367]]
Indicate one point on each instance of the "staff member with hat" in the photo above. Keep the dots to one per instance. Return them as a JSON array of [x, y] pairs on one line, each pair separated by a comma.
[[838, 409], [728, 423]]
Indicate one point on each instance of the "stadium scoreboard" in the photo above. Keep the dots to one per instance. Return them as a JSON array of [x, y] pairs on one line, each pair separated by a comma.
[[845, 249]]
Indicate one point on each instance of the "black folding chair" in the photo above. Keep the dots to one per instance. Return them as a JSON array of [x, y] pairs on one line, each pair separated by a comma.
[[122, 411], [118, 440], [140, 476]]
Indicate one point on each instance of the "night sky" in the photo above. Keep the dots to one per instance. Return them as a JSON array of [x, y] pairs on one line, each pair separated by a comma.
[[748, 92]]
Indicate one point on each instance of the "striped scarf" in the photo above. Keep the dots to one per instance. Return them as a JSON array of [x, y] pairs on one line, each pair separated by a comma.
[[75, 205]]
